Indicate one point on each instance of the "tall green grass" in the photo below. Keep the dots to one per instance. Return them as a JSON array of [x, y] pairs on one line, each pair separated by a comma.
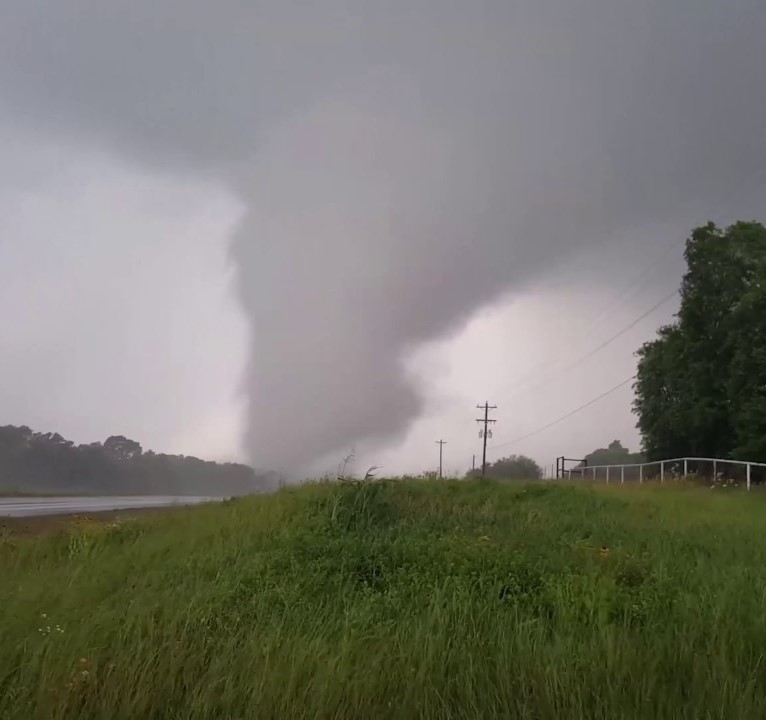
[[396, 600]]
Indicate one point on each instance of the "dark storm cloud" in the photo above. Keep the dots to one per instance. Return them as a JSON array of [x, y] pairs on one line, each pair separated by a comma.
[[400, 164]]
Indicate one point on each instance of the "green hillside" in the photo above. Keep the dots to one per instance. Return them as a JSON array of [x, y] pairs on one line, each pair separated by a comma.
[[396, 599]]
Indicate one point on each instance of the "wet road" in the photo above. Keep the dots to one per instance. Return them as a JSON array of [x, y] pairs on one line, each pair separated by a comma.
[[31, 506]]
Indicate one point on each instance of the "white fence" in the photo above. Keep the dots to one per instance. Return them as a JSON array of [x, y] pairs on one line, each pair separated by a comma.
[[717, 469]]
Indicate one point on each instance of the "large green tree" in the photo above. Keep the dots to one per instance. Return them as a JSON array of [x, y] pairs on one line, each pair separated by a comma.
[[701, 384]]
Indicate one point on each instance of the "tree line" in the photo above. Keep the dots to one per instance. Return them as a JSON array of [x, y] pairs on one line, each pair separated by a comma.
[[701, 384], [33, 462]]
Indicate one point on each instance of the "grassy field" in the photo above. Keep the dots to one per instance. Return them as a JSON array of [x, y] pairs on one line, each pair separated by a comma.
[[395, 600]]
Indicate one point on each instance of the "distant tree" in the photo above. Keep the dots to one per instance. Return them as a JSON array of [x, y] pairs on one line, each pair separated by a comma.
[[121, 448], [15, 443], [701, 384], [614, 454], [514, 467], [47, 462], [14, 439]]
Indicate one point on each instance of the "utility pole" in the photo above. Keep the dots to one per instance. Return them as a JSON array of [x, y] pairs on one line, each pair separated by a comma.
[[441, 444], [484, 432]]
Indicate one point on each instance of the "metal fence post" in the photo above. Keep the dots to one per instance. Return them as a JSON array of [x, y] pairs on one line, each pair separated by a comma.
[[594, 474], [686, 467], [641, 474], [607, 474], [622, 475], [748, 476], [662, 471], [715, 470]]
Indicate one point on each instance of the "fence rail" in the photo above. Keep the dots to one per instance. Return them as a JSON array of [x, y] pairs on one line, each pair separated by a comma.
[[718, 468]]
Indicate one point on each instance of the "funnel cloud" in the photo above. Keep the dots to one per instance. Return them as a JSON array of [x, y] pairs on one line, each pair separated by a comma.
[[398, 167]]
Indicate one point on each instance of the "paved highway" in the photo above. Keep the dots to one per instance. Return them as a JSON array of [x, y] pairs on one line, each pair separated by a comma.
[[30, 506]]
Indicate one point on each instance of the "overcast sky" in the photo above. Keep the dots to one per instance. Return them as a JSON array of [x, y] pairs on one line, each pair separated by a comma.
[[277, 231]]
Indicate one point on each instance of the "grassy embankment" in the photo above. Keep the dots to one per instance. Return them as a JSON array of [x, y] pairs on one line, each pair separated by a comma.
[[395, 600]]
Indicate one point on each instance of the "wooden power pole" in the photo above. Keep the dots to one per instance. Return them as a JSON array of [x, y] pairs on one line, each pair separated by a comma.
[[483, 433], [441, 444]]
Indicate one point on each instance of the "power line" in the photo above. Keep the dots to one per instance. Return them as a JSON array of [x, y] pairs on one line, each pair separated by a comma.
[[605, 343], [724, 208], [568, 415], [607, 312], [753, 178], [618, 299], [619, 334], [549, 369]]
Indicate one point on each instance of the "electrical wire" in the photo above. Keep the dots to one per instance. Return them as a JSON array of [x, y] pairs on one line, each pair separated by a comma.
[[618, 300], [565, 417], [614, 304], [752, 179], [601, 346]]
